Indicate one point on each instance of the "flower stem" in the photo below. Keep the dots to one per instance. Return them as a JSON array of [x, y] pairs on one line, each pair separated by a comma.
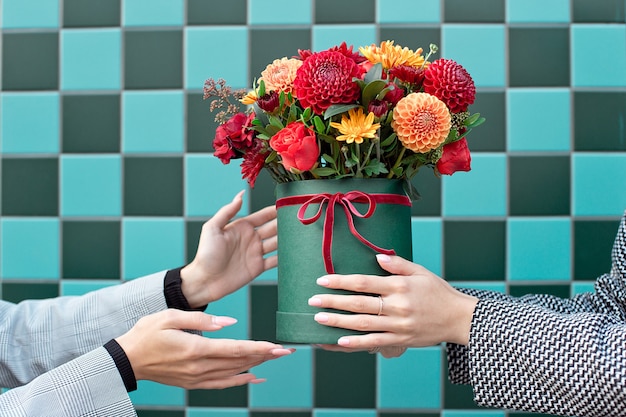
[[397, 163], [358, 164]]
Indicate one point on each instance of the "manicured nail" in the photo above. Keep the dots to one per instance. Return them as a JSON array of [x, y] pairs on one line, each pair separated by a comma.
[[224, 320], [343, 341], [315, 302], [281, 352], [321, 317], [322, 281], [383, 258], [258, 381]]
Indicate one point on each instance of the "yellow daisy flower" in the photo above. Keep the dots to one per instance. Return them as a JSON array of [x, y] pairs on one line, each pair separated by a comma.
[[249, 98], [356, 126], [390, 55]]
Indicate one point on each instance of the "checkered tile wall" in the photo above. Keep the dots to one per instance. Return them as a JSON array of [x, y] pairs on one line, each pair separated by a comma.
[[107, 172]]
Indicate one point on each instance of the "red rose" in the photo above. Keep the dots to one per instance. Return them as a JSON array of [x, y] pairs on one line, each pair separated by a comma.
[[233, 138], [297, 146], [456, 157]]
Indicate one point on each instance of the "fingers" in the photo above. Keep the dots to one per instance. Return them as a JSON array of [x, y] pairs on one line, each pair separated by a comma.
[[193, 320], [397, 265], [355, 303], [227, 212], [270, 262], [260, 217]]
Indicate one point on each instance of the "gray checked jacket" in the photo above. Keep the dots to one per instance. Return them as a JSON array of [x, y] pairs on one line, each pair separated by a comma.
[[52, 354], [544, 354]]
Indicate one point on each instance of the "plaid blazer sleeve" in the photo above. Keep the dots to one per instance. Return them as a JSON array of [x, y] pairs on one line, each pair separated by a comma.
[[89, 385], [545, 354], [37, 336]]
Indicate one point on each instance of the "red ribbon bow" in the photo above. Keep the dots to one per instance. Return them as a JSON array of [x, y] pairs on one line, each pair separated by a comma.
[[346, 201]]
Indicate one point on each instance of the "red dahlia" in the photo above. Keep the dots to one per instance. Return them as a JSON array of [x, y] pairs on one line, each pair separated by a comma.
[[253, 162], [325, 78], [451, 83]]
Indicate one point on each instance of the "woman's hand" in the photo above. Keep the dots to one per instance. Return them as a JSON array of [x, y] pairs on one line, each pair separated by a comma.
[[159, 350], [411, 308], [230, 254]]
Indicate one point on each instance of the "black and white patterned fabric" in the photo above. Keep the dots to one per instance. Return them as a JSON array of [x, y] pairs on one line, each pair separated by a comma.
[[545, 354]]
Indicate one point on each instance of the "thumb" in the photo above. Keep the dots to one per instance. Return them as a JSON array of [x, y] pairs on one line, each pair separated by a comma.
[[227, 212], [397, 265]]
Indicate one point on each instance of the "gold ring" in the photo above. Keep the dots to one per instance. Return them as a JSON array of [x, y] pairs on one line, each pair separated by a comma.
[[380, 305]]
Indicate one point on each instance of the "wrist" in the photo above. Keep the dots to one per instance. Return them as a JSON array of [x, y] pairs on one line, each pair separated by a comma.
[[190, 288], [462, 319]]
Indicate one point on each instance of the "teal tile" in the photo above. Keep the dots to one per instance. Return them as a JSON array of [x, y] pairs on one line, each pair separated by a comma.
[[343, 412], [411, 36], [151, 245], [429, 188], [153, 12], [599, 11], [485, 286], [91, 185], [538, 11], [201, 171], [233, 305], [481, 11], [91, 59], [209, 185], [593, 242], [91, 249], [427, 236], [228, 397], [30, 60], [335, 371], [91, 123], [30, 248], [91, 13], [200, 124], [15, 292], [152, 393], [599, 184], [552, 69], [487, 68], [153, 59], [325, 37], [147, 180], [345, 11], [412, 380], [479, 192], [280, 12], [30, 14], [607, 44], [538, 119], [263, 307], [413, 11], [30, 186], [30, 122], [606, 109], [153, 121], [490, 136], [203, 12], [80, 287], [293, 371], [582, 287], [539, 249], [557, 290], [200, 65], [216, 412]]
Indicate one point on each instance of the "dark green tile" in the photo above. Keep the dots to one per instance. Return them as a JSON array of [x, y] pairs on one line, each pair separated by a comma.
[[159, 413], [262, 194], [192, 233], [539, 185], [217, 12], [457, 397], [30, 61], [87, 13], [30, 186], [266, 45], [476, 11], [280, 414], [263, 306], [229, 397], [153, 59], [490, 136], [91, 249], [91, 123], [599, 121], [201, 124], [334, 371], [153, 186], [598, 11], [559, 290], [345, 11], [474, 250], [593, 242], [412, 37], [20, 291], [429, 188], [539, 57]]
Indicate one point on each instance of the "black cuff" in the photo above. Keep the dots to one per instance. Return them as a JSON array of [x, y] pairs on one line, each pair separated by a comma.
[[123, 364], [174, 297]]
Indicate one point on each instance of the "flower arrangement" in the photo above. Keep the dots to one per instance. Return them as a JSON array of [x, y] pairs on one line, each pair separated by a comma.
[[381, 112]]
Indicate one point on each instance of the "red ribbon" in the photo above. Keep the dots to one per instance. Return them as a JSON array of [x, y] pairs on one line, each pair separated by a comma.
[[346, 201]]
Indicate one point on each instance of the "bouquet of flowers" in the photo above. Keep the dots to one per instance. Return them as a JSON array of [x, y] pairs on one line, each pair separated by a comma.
[[381, 112]]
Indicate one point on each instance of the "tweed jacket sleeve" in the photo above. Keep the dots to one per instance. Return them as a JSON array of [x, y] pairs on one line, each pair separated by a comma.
[[52, 350], [544, 354]]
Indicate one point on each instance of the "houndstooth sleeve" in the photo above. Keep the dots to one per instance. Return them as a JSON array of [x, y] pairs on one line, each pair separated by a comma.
[[544, 354]]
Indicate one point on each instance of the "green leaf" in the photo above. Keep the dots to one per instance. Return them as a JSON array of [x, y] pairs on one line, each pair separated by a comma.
[[320, 127], [338, 109], [388, 140], [371, 90], [261, 92], [375, 167], [275, 121], [375, 73], [306, 116], [271, 157], [324, 171], [293, 114], [478, 122], [471, 119], [260, 114], [328, 158]]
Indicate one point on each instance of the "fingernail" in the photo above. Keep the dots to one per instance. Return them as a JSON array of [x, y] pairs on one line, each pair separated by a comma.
[[281, 352], [315, 302], [258, 381], [224, 320], [323, 281], [383, 258], [321, 317], [343, 341]]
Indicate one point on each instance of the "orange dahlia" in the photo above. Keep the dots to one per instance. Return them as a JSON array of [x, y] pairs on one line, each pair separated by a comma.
[[451, 83], [279, 75], [421, 121], [325, 78]]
